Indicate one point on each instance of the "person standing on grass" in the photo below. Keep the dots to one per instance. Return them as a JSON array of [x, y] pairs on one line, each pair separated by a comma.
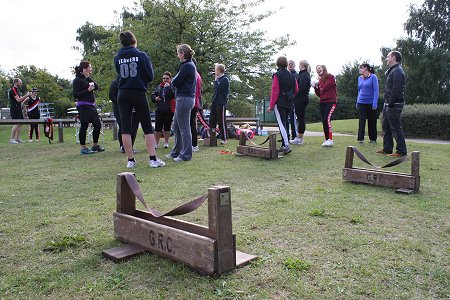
[[184, 83], [291, 119], [33, 113], [301, 100], [367, 103], [284, 88], [326, 90], [15, 109], [219, 102], [136, 72], [394, 100], [83, 92], [113, 91], [164, 98], [196, 109]]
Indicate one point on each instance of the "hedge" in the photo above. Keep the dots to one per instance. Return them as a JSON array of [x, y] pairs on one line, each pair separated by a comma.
[[430, 121]]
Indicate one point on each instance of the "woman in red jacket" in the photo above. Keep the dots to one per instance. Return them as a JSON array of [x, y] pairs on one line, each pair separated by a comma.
[[325, 88]]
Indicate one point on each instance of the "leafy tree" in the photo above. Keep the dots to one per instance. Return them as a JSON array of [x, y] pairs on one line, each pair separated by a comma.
[[218, 31], [430, 23]]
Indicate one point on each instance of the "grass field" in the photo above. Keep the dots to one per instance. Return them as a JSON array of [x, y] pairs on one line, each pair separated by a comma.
[[316, 236]]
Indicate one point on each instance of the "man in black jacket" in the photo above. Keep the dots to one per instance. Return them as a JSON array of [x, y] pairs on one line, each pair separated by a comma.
[[394, 100]]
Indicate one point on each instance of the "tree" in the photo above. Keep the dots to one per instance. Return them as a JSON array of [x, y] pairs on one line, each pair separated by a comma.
[[430, 23], [218, 31]]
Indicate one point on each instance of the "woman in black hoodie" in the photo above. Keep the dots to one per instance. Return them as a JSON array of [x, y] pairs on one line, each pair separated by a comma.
[[83, 92]]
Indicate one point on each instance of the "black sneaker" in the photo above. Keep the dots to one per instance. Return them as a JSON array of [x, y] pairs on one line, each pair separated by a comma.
[[97, 149]]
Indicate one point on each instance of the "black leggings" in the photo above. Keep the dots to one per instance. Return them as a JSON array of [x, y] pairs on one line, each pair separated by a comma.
[[217, 116], [34, 114], [300, 111], [129, 99], [193, 122], [326, 111], [89, 114]]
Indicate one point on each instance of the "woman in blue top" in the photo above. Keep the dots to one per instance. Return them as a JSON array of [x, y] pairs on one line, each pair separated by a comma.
[[184, 83], [367, 102]]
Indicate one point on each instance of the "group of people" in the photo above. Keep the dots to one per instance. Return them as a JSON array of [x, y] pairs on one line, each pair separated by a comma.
[[177, 100], [290, 96], [23, 107]]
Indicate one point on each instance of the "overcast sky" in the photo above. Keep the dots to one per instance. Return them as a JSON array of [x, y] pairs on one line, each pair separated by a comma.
[[330, 32]]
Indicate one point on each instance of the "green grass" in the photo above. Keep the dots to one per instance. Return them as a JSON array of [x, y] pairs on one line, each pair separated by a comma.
[[316, 236], [342, 126]]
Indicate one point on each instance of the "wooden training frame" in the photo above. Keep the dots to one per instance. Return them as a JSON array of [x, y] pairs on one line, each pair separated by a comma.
[[405, 183], [211, 140], [267, 153], [209, 250]]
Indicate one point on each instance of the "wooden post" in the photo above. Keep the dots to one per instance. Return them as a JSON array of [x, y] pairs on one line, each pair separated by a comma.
[[60, 132], [220, 227], [273, 146], [126, 201], [349, 157], [242, 138], [415, 159], [114, 129], [211, 140]]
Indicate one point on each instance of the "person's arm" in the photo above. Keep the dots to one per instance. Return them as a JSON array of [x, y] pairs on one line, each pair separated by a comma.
[[275, 93], [155, 95], [113, 90], [18, 98], [375, 92], [77, 91]]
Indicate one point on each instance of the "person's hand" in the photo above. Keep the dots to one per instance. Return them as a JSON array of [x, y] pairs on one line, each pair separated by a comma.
[[269, 109], [166, 84], [158, 98], [374, 108], [91, 86]]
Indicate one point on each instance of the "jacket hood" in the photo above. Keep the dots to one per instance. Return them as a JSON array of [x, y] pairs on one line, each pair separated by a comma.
[[127, 51]]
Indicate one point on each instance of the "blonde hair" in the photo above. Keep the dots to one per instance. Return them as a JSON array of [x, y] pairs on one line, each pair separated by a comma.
[[305, 64], [186, 50], [221, 68]]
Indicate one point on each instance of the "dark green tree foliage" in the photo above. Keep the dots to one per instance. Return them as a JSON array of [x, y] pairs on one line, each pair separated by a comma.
[[218, 31], [430, 23]]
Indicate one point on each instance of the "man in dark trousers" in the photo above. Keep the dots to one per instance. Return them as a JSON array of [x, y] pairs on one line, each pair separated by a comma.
[[219, 102], [394, 100]]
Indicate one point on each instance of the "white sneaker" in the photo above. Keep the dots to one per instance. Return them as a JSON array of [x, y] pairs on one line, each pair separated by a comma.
[[131, 164], [13, 141], [223, 142], [166, 145], [296, 141], [30, 141], [178, 159], [195, 149], [157, 163], [168, 156], [328, 143]]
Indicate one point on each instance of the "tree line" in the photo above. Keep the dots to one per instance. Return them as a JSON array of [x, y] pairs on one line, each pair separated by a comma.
[[220, 31]]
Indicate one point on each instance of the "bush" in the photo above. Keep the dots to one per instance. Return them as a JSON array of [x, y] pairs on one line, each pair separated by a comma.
[[426, 121], [241, 108]]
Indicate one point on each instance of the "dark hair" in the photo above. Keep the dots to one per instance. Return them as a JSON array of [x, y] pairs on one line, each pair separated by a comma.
[[398, 56], [369, 68], [127, 38], [167, 73], [282, 62], [83, 65]]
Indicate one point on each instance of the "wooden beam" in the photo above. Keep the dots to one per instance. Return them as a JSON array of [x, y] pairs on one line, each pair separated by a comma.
[[382, 178]]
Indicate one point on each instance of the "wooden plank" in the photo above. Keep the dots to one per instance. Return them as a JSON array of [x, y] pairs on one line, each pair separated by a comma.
[[349, 157], [221, 227], [212, 140], [175, 223], [191, 249], [396, 180], [273, 146], [243, 259], [415, 161], [125, 199], [254, 151], [122, 253]]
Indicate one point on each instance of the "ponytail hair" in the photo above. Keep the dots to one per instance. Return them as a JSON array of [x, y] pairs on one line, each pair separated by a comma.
[[127, 38], [369, 68], [186, 50], [83, 65], [306, 64]]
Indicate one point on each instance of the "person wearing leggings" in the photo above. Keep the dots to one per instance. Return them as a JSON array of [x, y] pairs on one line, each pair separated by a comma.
[[326, 90], [284, 88], [301, 100], [136, 72], [83, 91], [33, 113]]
